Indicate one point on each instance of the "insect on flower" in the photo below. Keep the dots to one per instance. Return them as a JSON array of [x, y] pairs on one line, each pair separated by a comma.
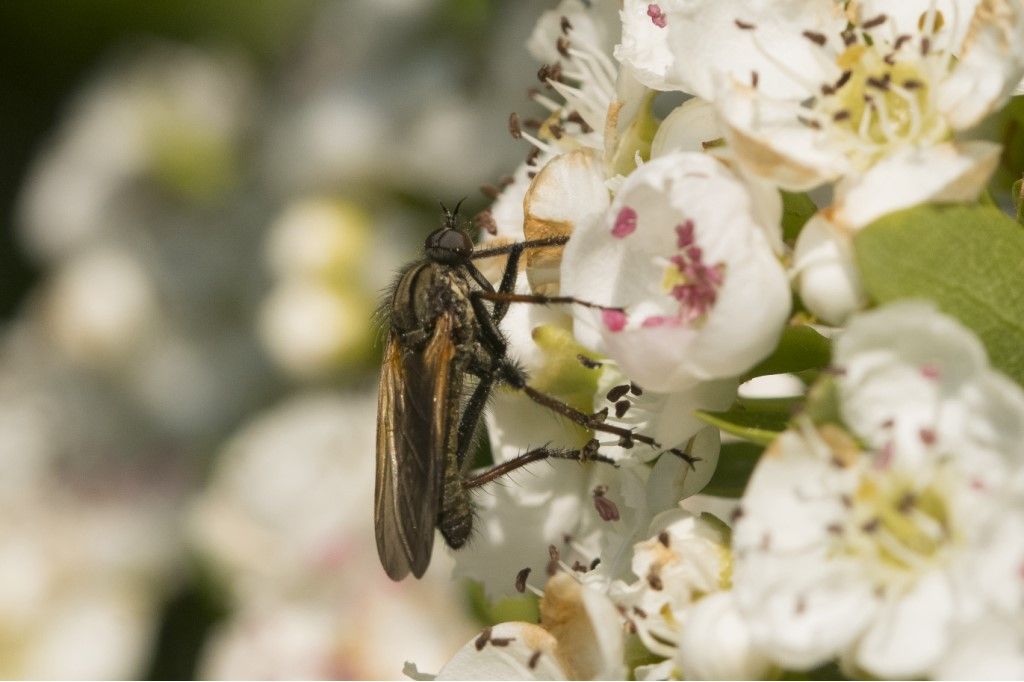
[[442, 319]]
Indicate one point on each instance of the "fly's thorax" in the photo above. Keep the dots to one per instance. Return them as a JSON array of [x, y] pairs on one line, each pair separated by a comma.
[[426, 290]]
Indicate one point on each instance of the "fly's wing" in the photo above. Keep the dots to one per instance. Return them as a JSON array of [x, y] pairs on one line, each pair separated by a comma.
[[413, 425]]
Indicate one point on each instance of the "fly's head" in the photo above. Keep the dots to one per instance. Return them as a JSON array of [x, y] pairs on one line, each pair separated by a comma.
[[449, 244]]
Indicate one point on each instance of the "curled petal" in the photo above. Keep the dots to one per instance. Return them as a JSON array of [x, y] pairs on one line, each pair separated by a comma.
[[990, 64], [827, 277], [507, 651]]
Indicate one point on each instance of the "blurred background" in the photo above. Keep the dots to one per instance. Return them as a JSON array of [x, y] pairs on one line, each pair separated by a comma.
[[201, 202]]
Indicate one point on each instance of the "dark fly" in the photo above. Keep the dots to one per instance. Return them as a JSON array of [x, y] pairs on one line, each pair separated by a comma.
[[443, 342]]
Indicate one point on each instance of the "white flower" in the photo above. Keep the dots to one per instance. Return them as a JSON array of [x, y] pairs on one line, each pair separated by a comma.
[[580, 637], [318, 237], [679, 252], [716, 643], [100, 306], [870, 98], [881, 549]]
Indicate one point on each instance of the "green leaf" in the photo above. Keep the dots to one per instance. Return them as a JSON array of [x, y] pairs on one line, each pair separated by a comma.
[[756, 420], [735, 464], [797, 209], [969, 260], [800, 348]]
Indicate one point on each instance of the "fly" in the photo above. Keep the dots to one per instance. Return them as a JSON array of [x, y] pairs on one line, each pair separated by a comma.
[[441, 334]]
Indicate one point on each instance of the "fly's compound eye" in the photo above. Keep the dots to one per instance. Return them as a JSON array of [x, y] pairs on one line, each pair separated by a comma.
[[448, 245]]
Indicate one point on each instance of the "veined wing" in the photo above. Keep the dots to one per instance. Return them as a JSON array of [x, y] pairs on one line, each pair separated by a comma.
[[413, 431]]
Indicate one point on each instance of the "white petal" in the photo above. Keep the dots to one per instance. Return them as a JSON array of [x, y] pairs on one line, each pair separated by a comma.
[[588, 629], [644, 46], [568, 191], [827, 277], [769, 140], [520, 642], [899, 362], [910, 633], [627, 269], [706, 43], [687, 128], [990, 649], [949, 172], [716, 643], [593, 23], [990, 64]]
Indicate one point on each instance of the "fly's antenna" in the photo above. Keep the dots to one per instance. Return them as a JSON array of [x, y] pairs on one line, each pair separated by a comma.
[[451, 218]]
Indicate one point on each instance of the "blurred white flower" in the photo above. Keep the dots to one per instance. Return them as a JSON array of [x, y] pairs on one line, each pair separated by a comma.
[[318, 237], [311, 329], [100, 306], [168, 113], [81, 581], [701, 293], [287, 521], [880, 545]]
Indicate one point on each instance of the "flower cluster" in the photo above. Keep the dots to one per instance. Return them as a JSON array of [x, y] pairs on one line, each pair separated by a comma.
[[867, 464]]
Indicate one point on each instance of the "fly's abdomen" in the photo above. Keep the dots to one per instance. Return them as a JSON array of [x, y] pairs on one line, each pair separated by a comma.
[[456, 518]]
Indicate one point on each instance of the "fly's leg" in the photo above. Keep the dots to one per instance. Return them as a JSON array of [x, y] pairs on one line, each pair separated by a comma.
[[588, 453], [471, 417], [504, 298], [514, 376]]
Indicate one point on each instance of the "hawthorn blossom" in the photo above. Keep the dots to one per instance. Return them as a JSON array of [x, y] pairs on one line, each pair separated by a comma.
[[694, 291], [879, 544], [870, 96]]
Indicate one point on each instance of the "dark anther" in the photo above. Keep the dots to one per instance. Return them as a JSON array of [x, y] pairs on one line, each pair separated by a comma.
[[663, 538], [532, 156], [502, 641], [879, 83], [877, 21], [841, 115], [484, 220], [754, 79], [816, 38], [809, 122], [737, 514], [588, 362], [562, 45], [566, 25], [577, 118], [606, 509], [871, 526], [490, 191], [639, 612], [901, 41], [906, 503], [595, 563], [654, 580], [926, 46], [635, 390], [849, 38], [616, 393], [556, 131], [622, 407], [521, 577], [745, 26], [481, 641], [626, 441], [535, 657], [912, 84], [513, 126]]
